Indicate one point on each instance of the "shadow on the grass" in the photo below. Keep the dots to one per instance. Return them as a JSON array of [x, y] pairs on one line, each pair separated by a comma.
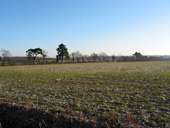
[[12, 116], [20, 117]]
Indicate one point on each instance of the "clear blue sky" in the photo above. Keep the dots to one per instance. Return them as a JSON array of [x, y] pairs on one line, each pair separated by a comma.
[[110, 26]]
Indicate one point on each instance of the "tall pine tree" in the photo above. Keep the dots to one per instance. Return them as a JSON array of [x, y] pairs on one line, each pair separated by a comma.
[[62, 52]]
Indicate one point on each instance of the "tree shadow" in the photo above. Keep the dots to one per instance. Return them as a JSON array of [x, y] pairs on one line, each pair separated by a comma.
[[20, 117]]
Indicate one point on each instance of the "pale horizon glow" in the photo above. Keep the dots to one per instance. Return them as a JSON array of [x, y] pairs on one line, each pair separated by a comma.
[[89, 26]]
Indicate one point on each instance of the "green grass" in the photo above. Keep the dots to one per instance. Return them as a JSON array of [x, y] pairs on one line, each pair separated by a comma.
[[137, 92]]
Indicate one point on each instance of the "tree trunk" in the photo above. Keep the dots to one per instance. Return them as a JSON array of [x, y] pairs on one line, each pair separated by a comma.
[[62, 58], [3, 61], [34, 60]]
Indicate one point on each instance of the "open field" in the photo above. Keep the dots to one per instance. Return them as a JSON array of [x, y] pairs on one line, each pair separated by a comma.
[[101, 94]]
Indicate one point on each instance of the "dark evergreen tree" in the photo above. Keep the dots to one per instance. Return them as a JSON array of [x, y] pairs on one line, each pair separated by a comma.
[[138, 55], [62, 52]]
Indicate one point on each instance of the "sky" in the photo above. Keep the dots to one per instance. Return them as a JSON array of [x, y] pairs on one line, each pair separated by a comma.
[[119, 27]]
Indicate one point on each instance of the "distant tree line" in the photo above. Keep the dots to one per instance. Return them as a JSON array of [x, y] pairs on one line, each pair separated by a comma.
[[40, 56]]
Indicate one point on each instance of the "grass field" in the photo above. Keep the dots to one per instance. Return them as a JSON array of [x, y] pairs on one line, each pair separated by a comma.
[[104, 94]]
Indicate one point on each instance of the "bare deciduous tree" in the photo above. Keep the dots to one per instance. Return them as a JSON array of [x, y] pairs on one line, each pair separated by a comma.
[[77, 55], [94, 56], [44, 54], [103, 56], [73, 56], [5, 55]]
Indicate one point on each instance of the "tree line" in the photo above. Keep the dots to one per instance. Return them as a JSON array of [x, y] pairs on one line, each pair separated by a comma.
[[64, 56], [38, 55]]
